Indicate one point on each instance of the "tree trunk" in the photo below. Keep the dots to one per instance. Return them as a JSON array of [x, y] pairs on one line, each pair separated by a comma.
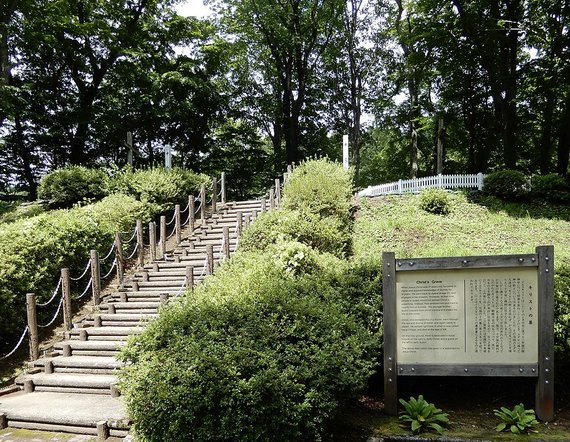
[[24, 154], [545, 146], [563, 152], [414, 115]]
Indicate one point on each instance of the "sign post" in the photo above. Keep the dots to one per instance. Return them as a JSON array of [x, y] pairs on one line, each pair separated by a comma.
[[168, 157], [345, 152], [470, 316]]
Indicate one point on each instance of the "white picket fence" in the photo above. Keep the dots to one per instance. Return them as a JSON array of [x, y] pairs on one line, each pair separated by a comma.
[[474, 181]]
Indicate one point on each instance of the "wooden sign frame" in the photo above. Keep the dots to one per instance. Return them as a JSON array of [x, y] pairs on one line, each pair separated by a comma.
[[542, 369]]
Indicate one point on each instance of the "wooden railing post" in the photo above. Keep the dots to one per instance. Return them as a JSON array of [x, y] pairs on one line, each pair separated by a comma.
[[247, 220], [95, 277], [223, 185], [289, 169], [271, 198], [277, 192], [152, 240], [66, 293], [226, 248], [120, 259], [140, 243], [178, 224], [239, 225], [210, 257], [214, 194], [263, 204], [32, 326], [203, 205], [162, 237], [190, 277], [191, 213]]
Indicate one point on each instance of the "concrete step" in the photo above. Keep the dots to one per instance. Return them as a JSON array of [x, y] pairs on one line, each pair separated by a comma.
[[80, 364], [70, 382], [67, 412], [104, 333], [90, 348]]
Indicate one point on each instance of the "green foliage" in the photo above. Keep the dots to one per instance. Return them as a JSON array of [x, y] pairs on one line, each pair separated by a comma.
[[257, 351], [551, 187], [509, 185], [321, 187], [323, 234], [435, 201], [419, 415], [25, 210], [33, 251], [64, 187], [518, 420], [158, 186], [562, 310]]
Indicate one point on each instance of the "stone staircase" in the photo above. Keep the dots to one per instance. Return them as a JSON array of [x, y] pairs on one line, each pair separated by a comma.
[[74, 387]]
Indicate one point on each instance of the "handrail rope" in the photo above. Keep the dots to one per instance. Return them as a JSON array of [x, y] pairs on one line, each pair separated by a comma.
[[17, 345], [171, 234], [185, 208], [108, 254], [182, 287], [111, 269], [219, 181], [204, 268], [187, 220], [197, 209], [133, 252], [86, 288], [132, 236], [209, 201], [172, 220], [222, 245], [54, 294], [84, 271], [220, 192], [210, 186], [54, 316], [236, 227]]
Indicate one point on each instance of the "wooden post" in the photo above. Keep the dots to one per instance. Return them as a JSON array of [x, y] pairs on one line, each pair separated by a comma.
[[289, 169], [102, 430], [263, 205], [178, 224], [95, 277], [32, 326], [210, 257], [140, 243], [223, 184], [190, 277], [66, 293], [3, 421], [272, 198], [390, 367], [162, 237], [152, 240], [226, 248], [239, 226], [277, 192], [214, 194], [203, 205], [191, 214], [120, 259], [247, 220]]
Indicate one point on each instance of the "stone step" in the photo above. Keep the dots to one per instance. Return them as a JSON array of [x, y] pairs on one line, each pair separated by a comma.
[[90, 348], [70, 382], [67, 412], [80, 364], [104, 333]]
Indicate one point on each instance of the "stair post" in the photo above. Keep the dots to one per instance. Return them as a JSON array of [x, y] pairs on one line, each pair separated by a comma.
[[3, 421], [190, 277], [162, 237], [210, 258], [247, 220], [214, 195], [223, 185], [203, 205], [271, 198], [239, 226], [32, 326], [140, 243], [95, 277], [277, 192], [289, 169], [226, 248], [191, 214], [66, 293], [152, 240], [120, 259], [263, 204], [177, 224]]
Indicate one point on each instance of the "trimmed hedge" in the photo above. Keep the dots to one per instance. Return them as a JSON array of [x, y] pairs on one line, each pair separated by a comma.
[[435, 201], [272, 344], [64, 187], [509, 185], [551, 187]]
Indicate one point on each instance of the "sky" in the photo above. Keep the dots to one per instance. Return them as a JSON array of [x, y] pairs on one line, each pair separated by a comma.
[[195, 8]]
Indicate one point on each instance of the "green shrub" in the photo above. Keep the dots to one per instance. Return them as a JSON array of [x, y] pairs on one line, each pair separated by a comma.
[[435, 201], [321, 187], [517, 421], [323, 234], [33, 251], [65, 187], [551, 187], [251, 355], [159, 187], [419, 415], [510, 185], [24, 210], [562, 311]]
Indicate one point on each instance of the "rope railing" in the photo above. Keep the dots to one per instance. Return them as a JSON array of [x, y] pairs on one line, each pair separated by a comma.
[[172, 219], [6, 356], [87, 287], [110, 270], [135, 250], [132, 237], [87, 267], [55, 292], [54, 316], [111, 250]]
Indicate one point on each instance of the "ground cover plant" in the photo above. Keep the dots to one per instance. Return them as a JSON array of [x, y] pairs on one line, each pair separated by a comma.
[[269, 347]]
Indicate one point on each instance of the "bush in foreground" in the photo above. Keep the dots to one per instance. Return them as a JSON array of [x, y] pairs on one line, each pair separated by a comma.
[[64, 187], [435, 201], [509, 185]]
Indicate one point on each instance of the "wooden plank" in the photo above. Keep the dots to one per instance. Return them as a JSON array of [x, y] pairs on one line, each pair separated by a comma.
[[545, 386], [499, 370], [467, 262], [390, 344]]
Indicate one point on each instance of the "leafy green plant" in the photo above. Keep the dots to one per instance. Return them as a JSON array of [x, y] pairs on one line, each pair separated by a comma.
[[509, 185], [420, 415], [64, 187], [518, 420], [435, 201], [551, 187]]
